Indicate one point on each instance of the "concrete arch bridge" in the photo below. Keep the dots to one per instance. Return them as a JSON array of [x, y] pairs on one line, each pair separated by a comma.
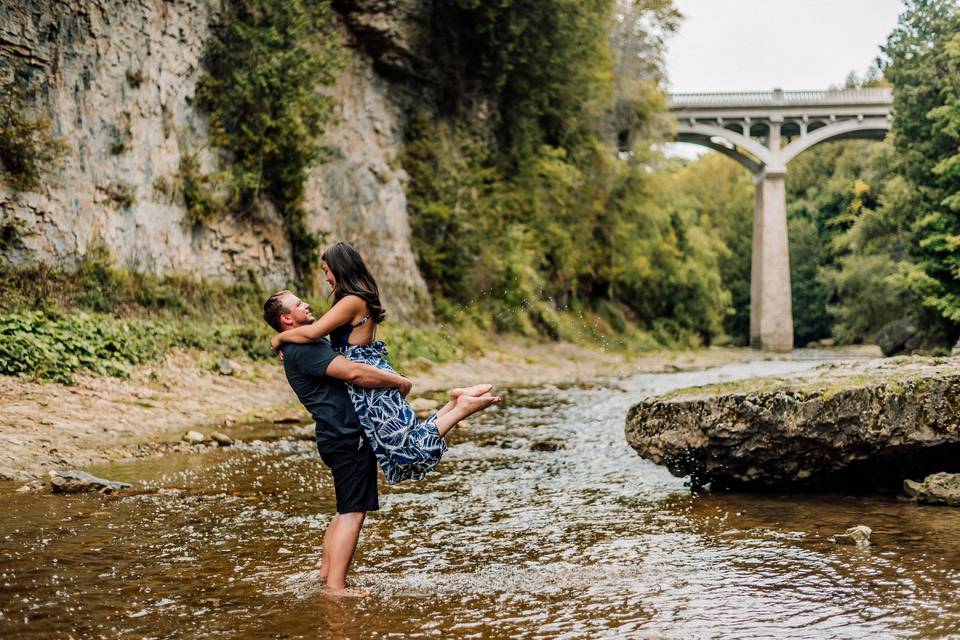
[[764, 131]]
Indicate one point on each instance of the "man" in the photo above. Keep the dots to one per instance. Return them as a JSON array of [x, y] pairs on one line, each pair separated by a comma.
[[316, 373]]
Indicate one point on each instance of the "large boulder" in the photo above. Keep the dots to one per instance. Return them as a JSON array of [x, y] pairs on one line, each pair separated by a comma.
[[893, 337], [858, 426]]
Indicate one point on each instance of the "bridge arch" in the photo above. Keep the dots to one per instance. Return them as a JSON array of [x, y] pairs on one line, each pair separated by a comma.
[[754, 125], [696, 132], [873, 129]]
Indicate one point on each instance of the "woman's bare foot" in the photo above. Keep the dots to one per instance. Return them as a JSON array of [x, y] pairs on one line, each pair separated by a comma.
[[346, 592], [475, 390], [462, 407], [471, 404]]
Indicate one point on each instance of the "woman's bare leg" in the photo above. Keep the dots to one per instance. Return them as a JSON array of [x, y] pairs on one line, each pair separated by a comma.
[[463, 407], [445, 409]]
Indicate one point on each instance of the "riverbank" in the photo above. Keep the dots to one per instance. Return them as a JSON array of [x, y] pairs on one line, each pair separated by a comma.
[[46, 426]]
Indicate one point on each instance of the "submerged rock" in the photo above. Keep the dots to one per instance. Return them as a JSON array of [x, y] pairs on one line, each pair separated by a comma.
[[81, 481], [938, 488], [861, 426]]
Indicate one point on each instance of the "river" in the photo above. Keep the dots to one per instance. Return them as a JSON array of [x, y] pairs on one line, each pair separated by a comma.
[[542, 523]]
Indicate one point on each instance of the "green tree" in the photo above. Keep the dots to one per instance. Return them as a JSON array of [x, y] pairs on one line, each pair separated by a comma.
[[722, 193], [266, 62], [923, 66]]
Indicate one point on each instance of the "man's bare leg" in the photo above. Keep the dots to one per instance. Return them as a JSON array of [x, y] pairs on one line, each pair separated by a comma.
[[463, 407], [475, 390], [342, 544], [325, 558]]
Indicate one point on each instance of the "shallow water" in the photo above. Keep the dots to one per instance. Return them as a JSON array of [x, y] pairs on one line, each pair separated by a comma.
[[542, 523]]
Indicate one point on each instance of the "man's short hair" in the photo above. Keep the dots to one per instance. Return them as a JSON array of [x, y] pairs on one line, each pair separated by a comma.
[[273, 308]]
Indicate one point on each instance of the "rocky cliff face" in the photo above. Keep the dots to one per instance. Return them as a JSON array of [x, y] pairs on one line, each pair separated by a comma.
[[117, 80], [864, 426]]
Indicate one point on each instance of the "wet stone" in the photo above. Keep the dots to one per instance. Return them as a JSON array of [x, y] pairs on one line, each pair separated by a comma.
[[937, 488], [34, 486], [81, 482], [547, 445], [858, 536]]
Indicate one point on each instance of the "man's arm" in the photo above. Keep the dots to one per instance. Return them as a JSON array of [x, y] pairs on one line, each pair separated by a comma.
[[365, 375]]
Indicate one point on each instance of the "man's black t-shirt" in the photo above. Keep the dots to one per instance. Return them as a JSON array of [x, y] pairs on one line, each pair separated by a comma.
[[324, 397]]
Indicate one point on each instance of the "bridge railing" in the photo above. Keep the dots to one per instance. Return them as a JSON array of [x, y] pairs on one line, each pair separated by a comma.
[[777, 97]]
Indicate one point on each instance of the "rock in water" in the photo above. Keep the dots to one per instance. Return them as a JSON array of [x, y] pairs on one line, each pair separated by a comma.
[[34, 486], [858, 535], [939, 488], [81, 481], [859, 426]]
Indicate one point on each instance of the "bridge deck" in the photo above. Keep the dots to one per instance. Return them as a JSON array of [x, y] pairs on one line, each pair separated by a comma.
[[775, 98]]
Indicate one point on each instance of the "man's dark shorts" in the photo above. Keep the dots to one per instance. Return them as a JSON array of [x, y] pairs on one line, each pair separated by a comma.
[[354, 476]]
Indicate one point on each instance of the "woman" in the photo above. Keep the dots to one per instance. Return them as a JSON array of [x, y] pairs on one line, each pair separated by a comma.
[[406, 448]]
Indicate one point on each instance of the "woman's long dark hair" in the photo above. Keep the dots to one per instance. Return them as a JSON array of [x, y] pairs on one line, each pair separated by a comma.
[[353, 278]]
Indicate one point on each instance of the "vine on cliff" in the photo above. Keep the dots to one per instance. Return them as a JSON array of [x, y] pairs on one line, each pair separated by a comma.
[[265, 63], [27, 144]]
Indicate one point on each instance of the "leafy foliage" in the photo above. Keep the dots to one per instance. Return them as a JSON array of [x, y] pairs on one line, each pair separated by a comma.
[[528, 213], [265, 63], [722, 193], [103, 320], [57, 347], [923, 65], [544, 62]]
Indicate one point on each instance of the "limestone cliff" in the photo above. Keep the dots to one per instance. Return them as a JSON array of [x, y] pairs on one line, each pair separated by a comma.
[[117, 80]]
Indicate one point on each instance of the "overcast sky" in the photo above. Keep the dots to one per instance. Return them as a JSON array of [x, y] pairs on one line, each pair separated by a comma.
[[726, 45]]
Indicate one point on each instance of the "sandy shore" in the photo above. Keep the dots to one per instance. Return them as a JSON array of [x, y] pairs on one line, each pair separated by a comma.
[[46, 426]]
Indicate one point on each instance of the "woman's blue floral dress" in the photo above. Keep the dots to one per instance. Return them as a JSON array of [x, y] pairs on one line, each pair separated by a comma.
[[406, 447]]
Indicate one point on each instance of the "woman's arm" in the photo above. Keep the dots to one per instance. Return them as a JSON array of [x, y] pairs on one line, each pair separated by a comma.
[[340, 314]]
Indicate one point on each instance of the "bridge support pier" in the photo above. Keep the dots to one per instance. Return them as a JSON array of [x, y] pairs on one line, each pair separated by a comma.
[[771, 311], [750, 128]]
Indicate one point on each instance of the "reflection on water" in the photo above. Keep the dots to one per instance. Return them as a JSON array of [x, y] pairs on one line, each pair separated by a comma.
[[542, 523]]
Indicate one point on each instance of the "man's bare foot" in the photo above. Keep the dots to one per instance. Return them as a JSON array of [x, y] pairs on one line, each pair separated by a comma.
[[475, 390], [346, 592], [472, 404]]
